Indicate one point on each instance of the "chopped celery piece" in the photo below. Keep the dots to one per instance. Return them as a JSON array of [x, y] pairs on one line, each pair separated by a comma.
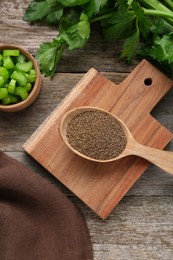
[[4, 73], [20, 77], [11, 53], [8, 63], [28, 86], [25, 67], [21, 92], [10, 99], [3, 93], [21, 58], [11, 86], [2, 81], [32, 76], [27, 76]]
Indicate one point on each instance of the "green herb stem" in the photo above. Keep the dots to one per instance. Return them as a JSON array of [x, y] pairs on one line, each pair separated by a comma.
[[158, 13], [102, 17], [155, 5], [59, 53], [169, 3], [159, 10]]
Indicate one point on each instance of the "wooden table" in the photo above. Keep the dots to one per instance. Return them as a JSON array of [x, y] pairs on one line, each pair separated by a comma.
[[141, 226]]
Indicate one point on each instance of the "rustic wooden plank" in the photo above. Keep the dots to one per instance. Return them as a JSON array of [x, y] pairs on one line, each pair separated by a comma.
[[153, 182], [117, 237], [139, 228]]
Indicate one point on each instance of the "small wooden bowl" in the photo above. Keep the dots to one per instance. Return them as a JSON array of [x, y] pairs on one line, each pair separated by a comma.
[[35, 89]]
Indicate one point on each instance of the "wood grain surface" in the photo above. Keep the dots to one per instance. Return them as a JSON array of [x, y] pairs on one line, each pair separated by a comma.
[[102, 186], [141, 226]]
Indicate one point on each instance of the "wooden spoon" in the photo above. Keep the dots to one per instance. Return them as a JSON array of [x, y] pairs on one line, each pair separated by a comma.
[[162, 159]]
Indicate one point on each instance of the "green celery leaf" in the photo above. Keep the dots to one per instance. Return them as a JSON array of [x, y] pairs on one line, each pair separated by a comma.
[[94, 7], [83, 27], [123, 25], [70, 17], [54, 4], [72, 29], [54, 17], [73, 2], [160, 27], [130, 46], [49, 10], [36, 11], [73, 41], [162, 49], [49, 54], [122, 6], [77, 35], [144, 22]]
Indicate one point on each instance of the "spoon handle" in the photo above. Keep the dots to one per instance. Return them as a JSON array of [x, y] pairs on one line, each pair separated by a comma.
[[162, 159]]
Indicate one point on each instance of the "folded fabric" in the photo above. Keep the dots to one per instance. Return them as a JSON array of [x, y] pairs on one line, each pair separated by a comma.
[[37, 221]]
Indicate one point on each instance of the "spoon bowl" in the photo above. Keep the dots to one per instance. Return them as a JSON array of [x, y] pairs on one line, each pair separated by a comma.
[[162, 159]]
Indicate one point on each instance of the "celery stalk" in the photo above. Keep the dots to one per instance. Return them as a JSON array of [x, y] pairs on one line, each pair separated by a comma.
[[11, 52], [11, 86], [8, 63], [10, 99], [20, 77], [2, 81], [169, 3], [21, 92], [3, 93], [25, 67], [4, 73], [156, 5]]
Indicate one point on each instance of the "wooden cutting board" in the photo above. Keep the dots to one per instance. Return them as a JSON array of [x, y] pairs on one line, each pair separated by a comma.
[[102, 186]]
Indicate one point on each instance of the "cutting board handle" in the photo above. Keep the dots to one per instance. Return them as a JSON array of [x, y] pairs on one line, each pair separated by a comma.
[[150, 86]]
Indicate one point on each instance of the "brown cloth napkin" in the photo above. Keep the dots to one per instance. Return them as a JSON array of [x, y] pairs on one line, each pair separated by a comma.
[[37, 221]]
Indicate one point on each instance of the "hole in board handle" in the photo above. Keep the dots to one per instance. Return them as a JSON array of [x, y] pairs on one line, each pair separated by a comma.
[[148, 81]]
